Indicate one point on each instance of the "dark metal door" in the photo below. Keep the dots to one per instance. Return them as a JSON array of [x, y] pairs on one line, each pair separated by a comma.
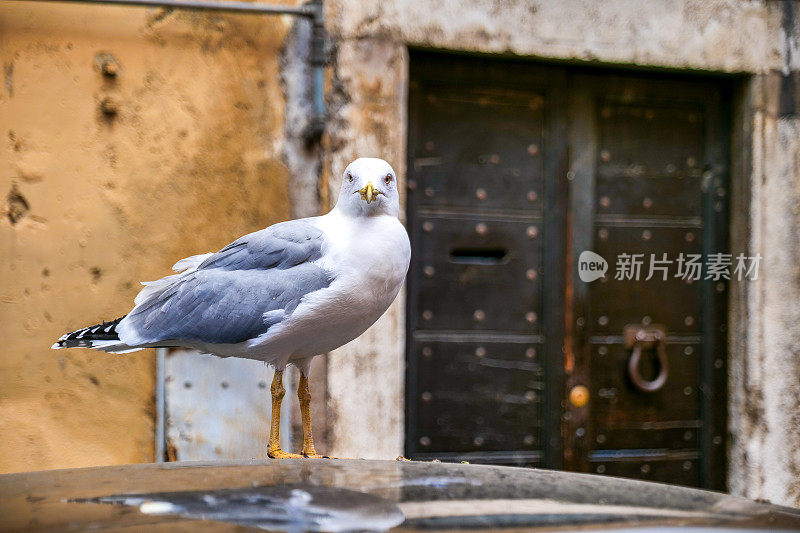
[[483, 158], [514, 171], [648, 189]]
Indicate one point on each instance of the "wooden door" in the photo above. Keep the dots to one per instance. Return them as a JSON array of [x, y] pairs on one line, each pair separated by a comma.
[[515, 170]]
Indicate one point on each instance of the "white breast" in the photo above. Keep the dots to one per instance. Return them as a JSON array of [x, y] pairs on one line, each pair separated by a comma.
[[369, 257]]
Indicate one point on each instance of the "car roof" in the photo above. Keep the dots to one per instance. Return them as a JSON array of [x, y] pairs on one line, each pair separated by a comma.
[[347, 495]]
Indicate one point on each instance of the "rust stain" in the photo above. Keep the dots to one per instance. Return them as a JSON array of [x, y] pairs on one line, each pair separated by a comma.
[[172, 451]]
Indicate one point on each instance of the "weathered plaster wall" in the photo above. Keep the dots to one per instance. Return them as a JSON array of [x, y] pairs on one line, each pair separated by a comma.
[[192, 159], [765, 357], [724, 35], [365, 377], [369, 75]]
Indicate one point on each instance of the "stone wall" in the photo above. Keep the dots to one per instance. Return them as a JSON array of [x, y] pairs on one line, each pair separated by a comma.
[[765, 314]]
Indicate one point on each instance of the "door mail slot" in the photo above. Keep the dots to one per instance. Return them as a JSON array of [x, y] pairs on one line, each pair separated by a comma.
[[479, 256]]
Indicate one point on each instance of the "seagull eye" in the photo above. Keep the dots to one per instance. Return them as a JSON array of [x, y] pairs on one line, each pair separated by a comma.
[[349, 177], [387, 179]]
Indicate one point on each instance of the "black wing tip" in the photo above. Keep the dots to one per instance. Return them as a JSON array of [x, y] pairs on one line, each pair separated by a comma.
[[73, 343], [82, 338]]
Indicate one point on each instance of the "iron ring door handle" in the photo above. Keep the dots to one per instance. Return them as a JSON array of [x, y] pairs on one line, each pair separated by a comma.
[[638, 338]]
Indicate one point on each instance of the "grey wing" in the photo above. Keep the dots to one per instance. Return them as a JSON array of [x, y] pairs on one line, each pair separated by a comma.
[[281, 246], [237, 293]]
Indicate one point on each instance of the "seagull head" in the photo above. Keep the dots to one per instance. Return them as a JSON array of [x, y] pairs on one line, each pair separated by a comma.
[[369, 188]]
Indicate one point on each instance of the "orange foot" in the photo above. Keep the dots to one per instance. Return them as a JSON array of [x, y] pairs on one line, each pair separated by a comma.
[[280, 454], [312, 454]]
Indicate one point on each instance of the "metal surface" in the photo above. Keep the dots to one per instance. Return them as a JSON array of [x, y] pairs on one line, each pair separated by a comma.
[[219, 408], [640, 339], [579, 396], [204, 5], [580, 180], [358, 495], [161, 406]]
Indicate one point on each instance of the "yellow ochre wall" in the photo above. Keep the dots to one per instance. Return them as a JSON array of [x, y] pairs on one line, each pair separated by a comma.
[[190, 160]]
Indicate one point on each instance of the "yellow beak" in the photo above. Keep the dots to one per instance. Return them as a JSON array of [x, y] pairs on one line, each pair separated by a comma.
[[368, 193]]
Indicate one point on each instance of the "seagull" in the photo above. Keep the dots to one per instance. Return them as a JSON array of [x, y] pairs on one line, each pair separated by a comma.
[[281, 295]]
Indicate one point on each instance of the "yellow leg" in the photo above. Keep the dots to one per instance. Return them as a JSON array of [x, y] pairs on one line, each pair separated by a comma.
[[304, 395], [274, 447]]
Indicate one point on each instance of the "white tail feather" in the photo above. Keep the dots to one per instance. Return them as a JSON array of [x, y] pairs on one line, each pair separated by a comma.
[[113, 347]]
